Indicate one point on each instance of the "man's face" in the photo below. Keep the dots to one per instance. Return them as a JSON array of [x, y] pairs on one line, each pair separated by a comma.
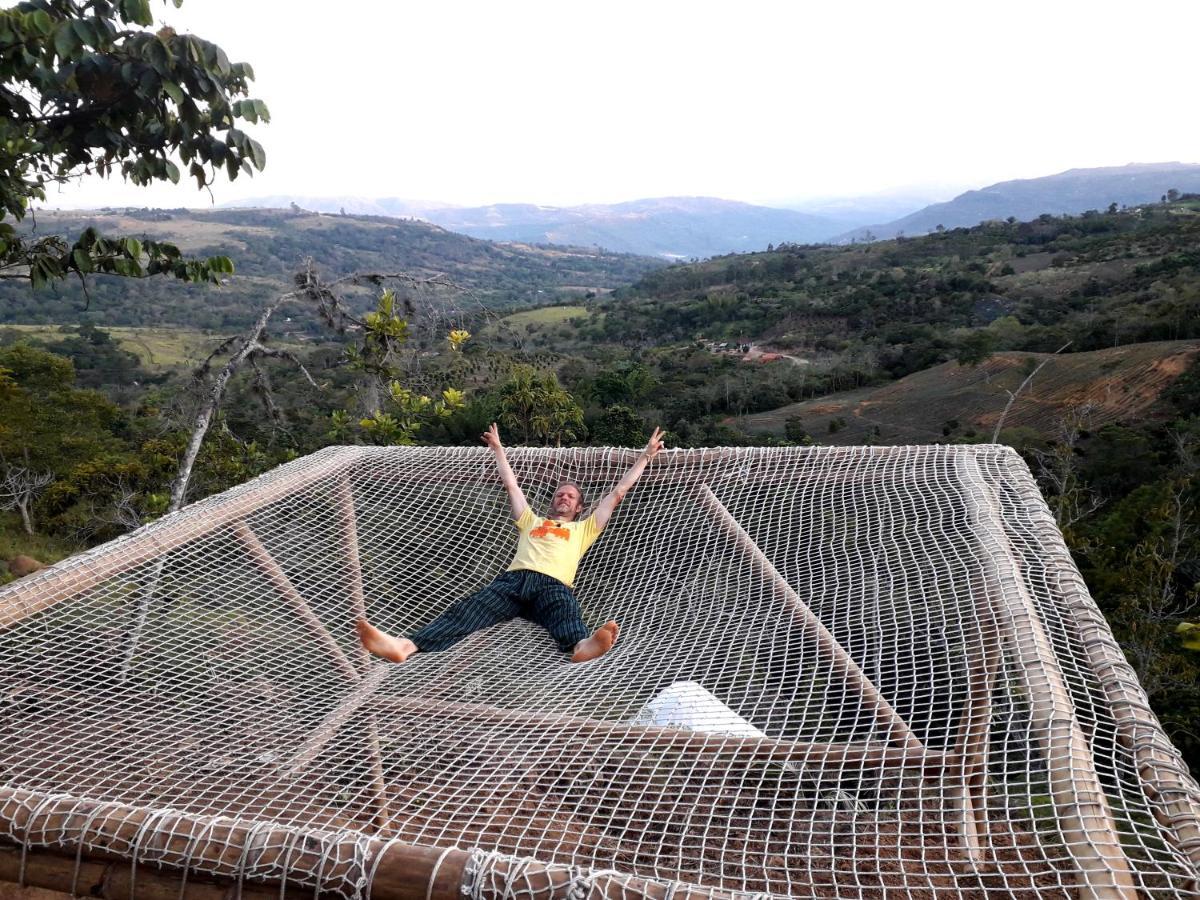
[[566, 503]]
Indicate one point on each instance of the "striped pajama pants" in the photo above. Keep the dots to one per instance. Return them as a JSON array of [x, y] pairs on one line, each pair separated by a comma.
[[530, 595]]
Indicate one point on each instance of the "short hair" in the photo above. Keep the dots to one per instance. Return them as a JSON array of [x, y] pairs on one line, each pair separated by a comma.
[[574, 484]]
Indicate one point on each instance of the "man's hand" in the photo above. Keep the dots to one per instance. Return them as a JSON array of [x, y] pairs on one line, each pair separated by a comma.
[[516, 498], [491, 437], [608, 504], [654, 444]]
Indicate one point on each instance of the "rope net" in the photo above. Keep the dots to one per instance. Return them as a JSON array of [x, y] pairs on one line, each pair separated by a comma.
[[862, 672]]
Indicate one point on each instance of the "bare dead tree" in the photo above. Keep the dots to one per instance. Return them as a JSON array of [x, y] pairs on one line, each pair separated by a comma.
[[1069, 498], [244, 348], [1159, 603], [1187, 452], [1012, 395], [20, 486], [251, 346], [123, 510]]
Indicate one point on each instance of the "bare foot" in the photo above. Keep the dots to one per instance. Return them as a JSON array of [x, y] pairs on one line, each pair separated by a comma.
[[598, 644], [381, 644]]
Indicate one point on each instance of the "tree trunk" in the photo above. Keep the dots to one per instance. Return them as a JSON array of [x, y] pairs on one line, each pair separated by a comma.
[[26, 519], [212, 404], [371, 401]]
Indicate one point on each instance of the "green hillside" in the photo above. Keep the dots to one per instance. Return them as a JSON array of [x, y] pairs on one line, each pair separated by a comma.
[[268, 246], [888, 309], [1120, 384]]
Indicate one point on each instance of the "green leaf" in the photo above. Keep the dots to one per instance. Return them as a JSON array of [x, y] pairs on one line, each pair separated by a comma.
[[132, 247], [83, 262], [174, 91], [42, 21], [258, 155], [172, 172], [64, 40], [137, 11], [1189, 633], [85, 32]]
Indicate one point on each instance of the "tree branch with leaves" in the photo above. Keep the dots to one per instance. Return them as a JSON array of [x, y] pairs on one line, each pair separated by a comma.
[[87, 89]]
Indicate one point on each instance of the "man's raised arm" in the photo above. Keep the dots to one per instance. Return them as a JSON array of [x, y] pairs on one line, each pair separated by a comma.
[[516, 497], [606, 506]]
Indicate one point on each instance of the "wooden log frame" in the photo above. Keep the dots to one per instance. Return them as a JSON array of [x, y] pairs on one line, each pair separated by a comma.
[[82, 573], [1089, 833], [836, 757], [118, 852], [1077, 793], [967, 795], [840, 661], [1172, 792]]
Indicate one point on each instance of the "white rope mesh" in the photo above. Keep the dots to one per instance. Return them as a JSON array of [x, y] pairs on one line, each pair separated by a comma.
[[859, 672]]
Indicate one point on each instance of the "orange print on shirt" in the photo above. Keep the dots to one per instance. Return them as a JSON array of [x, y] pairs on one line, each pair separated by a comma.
[[548, 528]]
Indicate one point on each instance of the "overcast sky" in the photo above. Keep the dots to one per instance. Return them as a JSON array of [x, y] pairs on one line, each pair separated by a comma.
[[570, 102]]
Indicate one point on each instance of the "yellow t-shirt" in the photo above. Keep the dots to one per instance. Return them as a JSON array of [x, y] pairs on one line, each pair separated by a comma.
[[551, 547]]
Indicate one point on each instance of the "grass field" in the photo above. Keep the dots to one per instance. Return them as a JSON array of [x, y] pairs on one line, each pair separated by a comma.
[[533, 324], [157, 348], [544, 315]]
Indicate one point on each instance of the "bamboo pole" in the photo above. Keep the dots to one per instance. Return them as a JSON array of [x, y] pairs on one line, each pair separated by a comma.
[[333, 722], [840, 661], [312, 745], [222, 858], [1089, 832], [855, 757], [267, 564], [348, 534], [378, 786], [80, 573]]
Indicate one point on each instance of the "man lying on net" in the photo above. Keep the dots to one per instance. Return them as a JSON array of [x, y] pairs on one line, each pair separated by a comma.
[[537, 585]]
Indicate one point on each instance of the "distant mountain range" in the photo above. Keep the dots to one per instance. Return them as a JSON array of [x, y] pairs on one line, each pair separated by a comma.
[[672, 227], [667, 227], [1067, 193], [699, 227]]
